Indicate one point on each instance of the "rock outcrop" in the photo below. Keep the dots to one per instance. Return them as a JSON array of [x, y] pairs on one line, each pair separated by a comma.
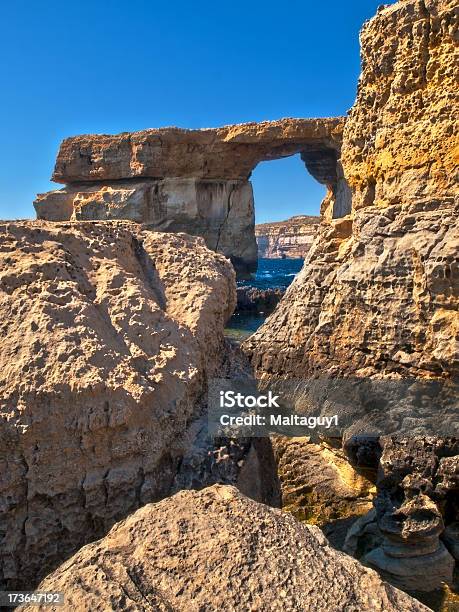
[[319, 485], [252, 299], [107, 336], [193, 181], [418, 477], [287, 239], [379, 290], [378, 296], [217, 550]]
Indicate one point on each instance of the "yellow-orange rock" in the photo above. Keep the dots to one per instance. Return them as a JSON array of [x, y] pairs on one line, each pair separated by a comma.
[[379, 291]]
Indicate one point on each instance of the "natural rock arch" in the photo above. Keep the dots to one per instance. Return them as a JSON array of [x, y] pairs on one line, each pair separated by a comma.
[[193, 181]]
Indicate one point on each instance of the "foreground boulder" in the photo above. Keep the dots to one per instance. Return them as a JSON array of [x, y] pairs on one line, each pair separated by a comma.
[[107, 335], [217, 550]]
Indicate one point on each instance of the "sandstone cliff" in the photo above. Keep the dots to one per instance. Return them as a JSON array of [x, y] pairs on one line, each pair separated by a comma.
[[107, 336], [193, 181], [217, 550], [378, 295], [291, 238], [379, 290]]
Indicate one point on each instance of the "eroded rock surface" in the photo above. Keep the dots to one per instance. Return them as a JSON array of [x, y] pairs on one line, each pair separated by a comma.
[[218, 550], [220, 211], [318, 483], [418, 479], [230, 152], [378, 296], [379, 290], [107, 336]]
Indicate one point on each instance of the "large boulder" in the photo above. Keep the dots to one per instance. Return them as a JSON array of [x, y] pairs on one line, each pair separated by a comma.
[[218, 550], [107, 336]]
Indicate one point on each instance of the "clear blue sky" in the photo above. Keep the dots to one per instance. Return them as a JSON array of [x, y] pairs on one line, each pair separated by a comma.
[[83, 66]]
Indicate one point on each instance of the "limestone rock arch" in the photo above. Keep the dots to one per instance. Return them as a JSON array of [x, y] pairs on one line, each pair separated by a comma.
[[193, 181]]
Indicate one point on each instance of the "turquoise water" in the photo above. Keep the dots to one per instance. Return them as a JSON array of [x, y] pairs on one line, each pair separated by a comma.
[[274, 273], [271, 273]]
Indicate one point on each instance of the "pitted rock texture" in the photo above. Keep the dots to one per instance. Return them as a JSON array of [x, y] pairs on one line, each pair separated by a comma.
[[400, 139], [291, 238], [217, 550], [379, 291], [378, 295], [220, 211], [107, 335]]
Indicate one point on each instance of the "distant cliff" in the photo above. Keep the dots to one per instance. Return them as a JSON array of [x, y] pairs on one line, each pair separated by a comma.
[[291, 238]]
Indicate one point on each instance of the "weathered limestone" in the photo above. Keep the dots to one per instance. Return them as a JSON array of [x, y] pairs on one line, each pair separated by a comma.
[[107, 335], [229, 152], [418, 476], [217, 550], [379, 292], [378, 295], [320, 486], [222, 212], [291, 238], [195, 181]]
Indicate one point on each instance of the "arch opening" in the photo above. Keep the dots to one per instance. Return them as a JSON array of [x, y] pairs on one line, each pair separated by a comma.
[[288, 192]]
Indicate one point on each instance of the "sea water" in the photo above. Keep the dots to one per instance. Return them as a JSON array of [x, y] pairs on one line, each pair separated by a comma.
[[271, 273]]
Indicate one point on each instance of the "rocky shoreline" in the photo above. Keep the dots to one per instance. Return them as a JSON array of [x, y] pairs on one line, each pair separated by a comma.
[[113, 489], [262, 301]]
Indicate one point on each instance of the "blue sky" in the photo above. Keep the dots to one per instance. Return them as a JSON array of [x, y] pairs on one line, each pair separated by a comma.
[[110, 66]]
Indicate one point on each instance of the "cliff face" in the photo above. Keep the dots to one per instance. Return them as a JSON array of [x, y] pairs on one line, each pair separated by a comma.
[[379, 289], [107, 335], [193, 181], [291, 238], [379, 292]]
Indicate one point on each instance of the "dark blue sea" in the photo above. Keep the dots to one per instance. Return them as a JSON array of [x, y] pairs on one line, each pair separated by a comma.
[[271, 273]]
